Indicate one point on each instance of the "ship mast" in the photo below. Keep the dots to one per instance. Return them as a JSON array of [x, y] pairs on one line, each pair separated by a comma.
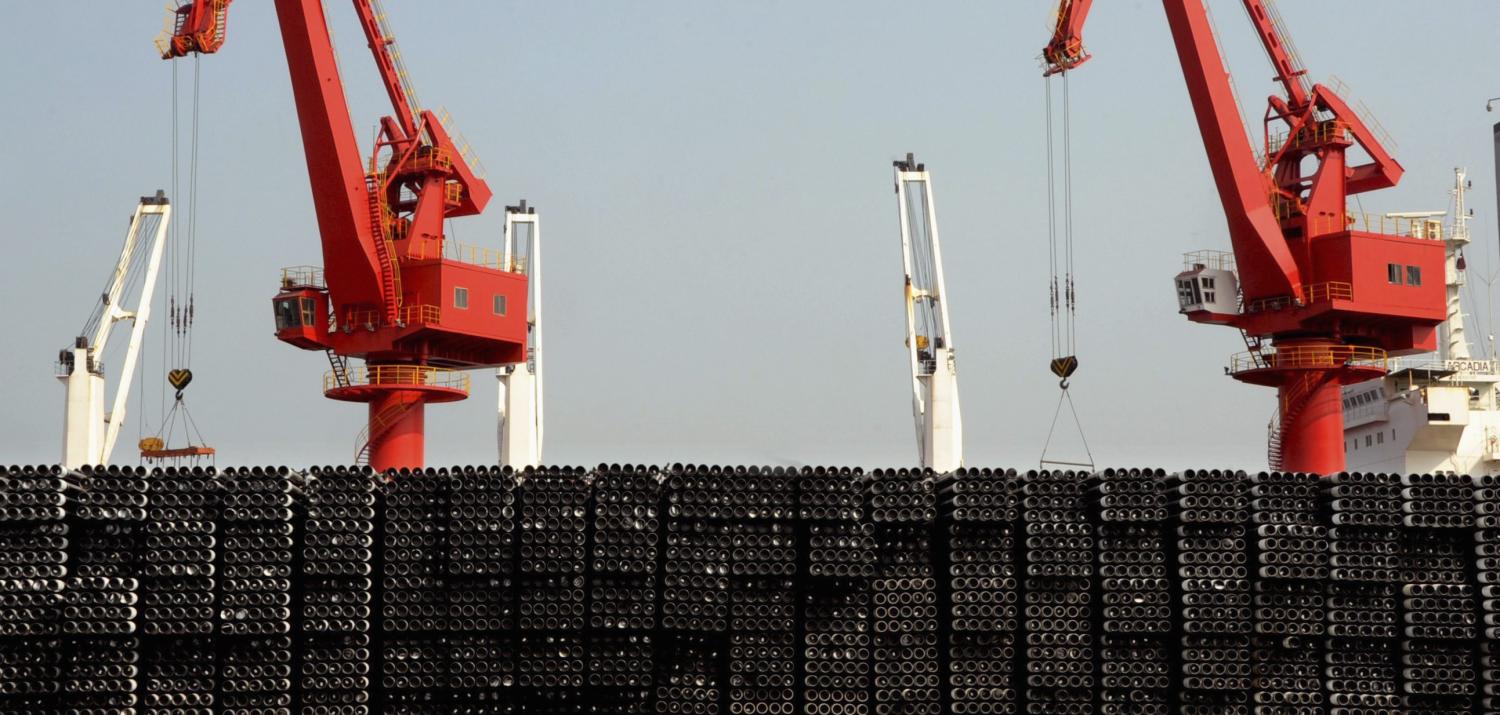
[[1456, 346]]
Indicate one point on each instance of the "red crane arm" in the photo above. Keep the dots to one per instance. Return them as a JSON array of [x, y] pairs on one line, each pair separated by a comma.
[[335, 166], [352, 210], [1266, 265], [1273, 37], [197, 26], [372, 21], [1065, 50]]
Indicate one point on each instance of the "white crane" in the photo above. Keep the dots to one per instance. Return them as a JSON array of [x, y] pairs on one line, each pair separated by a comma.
[[88, 433], [520, 428], [929, 341]]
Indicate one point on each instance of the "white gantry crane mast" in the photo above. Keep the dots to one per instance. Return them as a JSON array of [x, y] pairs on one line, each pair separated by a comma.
[[521, 384], [88, 433], [929, 341]]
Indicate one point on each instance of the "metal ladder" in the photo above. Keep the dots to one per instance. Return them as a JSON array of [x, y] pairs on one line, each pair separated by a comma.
[[340, 368]]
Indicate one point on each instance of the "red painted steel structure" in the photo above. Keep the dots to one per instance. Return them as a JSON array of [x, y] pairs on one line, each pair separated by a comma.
[[1320, 291], [387, 293]]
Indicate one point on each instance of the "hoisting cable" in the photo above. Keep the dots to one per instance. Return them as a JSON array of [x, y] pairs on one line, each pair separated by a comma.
[[1062, 292], [177, 338]]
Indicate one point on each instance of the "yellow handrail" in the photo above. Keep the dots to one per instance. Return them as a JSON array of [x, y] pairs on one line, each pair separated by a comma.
[[1310, 356], [401, 375], [422, 314], [1371, 223], [1319, 133]]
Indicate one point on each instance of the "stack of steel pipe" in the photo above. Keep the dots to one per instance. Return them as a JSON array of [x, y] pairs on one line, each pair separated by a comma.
[[1364, 511], [338, 551], [255, 591], [1059, 569], [1134, 594], [695, 589], [1211, 510], [178, 591], [1290, 550], [481, 590], [1439, 611], [1487, 573], [978, 509], [33, 565], [839, 545], [554, 504], [414, 598], [762, 596], [622, 586], [904, 609], [101, 649]]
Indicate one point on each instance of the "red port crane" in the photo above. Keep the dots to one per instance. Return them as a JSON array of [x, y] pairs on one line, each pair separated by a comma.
[[1333, 293], [417, 308]]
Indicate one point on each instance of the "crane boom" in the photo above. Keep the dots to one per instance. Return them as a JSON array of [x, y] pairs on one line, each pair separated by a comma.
[[1261, 250], [929, 339], [89, 433], [335, 167], [1065, 51], [520, 405]]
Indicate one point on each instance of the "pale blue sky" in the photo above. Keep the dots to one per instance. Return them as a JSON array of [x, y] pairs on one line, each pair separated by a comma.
[[723, 267]]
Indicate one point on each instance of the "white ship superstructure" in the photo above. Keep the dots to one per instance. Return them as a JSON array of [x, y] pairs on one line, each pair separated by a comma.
[[1438, 412]]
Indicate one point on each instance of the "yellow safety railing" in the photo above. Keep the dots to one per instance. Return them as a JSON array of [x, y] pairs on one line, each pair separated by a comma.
[[1312, 293], [303, 277], [1373, 223], [453, 192], [481, 256], [1319, 133], [410, 315], [1332, 290], [401, 375], [432, 158], [465, 149], [1217, 260], [1342, 89], [1310, 356]]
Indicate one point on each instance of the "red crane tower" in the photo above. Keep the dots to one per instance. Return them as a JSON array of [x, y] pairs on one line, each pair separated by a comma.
[[1334, 294], [417, 308]]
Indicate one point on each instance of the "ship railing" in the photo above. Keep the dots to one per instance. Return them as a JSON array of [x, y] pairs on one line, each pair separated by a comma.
[[1460, 366]]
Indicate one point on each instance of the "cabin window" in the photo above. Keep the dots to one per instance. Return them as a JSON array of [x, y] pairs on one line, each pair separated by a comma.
[[1369, 440], [295, 312], [498, 305], [1414, 275], [307, 310], [1380, 438], [461, 297], [1393, 274]]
